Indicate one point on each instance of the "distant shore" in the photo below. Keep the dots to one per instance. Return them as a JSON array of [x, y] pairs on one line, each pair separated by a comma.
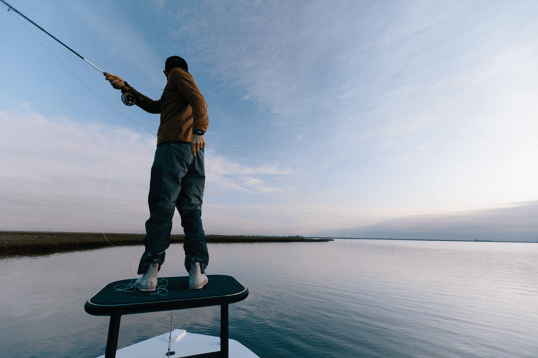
[[26, 243], [407, 239]]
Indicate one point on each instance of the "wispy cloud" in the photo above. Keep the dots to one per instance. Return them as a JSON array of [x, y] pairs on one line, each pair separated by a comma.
[[61, 162], [224, 175], [282, 52]]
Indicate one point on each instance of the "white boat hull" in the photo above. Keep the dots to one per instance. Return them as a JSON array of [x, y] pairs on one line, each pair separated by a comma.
[[183, 344]]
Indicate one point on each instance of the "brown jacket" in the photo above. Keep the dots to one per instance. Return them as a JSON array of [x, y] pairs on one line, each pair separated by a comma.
[[182, 107]]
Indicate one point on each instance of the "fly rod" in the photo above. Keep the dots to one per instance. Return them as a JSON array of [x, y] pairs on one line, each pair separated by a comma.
[[127, 98], [42, 29]]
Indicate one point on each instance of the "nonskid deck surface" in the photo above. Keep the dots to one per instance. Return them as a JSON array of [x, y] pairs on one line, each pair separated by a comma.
[[188, 344], [221, 289]]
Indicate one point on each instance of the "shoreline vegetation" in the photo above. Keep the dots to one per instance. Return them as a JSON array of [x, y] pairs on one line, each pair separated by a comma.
[[27, 243]]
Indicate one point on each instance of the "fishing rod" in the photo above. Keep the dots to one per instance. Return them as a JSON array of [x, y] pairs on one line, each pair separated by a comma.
[[42, 29], [127, 97]]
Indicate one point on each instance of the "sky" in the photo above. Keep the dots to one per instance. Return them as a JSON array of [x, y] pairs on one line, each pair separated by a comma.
[[334, 118]]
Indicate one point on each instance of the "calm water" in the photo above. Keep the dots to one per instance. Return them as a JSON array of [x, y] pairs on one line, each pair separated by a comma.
[[356, 298]]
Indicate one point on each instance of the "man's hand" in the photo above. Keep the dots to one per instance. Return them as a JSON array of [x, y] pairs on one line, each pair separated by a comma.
[[198, 143], [115, 81]]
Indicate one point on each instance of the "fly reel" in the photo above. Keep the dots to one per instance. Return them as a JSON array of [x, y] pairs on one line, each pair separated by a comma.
[[128, 98]]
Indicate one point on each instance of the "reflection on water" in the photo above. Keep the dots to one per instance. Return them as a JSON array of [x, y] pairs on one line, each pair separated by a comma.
[[359, 298]]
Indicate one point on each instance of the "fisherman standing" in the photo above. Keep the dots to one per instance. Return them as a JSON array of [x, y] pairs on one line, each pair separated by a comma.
[[177, 174]]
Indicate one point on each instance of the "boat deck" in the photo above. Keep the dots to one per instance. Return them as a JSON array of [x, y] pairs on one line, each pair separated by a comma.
[[187, 344]]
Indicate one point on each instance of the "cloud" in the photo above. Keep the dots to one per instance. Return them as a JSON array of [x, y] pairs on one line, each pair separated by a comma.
[[68, 156], [54, 170], [360, 110], [223, 175], [52, 178], [514, 222], [420, 83], [281, 52]]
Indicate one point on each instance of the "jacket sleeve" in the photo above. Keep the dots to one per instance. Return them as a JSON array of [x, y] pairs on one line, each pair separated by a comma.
[[185, 85], [147, 104]]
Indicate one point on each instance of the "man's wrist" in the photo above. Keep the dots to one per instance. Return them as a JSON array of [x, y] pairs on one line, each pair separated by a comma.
[[198, 132]]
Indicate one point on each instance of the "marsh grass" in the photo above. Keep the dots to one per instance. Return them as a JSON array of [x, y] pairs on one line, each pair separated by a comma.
[[22, 243]]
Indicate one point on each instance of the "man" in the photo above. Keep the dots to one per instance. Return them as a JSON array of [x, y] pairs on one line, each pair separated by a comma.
[[177, 174]]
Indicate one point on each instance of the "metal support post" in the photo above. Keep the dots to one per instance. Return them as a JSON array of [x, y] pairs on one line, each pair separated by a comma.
[[113, 333], [224, 334]]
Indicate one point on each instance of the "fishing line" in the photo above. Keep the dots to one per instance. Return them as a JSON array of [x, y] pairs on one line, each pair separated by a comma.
[[108, 105], [85, 85], [127, 99], [113, 130], [125, 96], [103, 193], [170, 353], [9, 161], [130, 287], [42, 29]]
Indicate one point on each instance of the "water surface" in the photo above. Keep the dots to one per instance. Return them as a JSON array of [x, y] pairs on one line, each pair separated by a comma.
[[347, 298]]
